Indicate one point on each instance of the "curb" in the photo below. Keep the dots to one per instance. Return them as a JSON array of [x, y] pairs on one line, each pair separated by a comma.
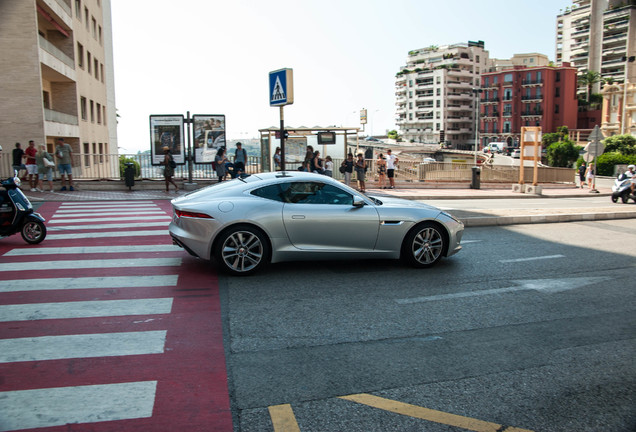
[[480, 221]]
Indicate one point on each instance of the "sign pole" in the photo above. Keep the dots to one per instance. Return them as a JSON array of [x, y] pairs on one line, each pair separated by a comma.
[[282, 139], [189, 156]]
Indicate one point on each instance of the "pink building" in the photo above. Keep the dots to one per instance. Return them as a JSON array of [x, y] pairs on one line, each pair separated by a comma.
[[520, 96]]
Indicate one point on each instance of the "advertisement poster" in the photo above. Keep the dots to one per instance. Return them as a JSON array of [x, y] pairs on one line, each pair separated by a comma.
[[167, 131], [295, 151], [209, 136]]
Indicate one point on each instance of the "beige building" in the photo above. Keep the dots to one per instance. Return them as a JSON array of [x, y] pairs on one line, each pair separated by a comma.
[[57, 78], [597, 35], [619, 117], [435, 95]]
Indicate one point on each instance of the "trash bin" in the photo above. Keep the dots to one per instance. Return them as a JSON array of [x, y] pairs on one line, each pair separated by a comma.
[[129, 175], [476, 180]]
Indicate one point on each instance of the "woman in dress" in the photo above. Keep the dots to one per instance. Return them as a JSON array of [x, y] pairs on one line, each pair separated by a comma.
[[168, 169]]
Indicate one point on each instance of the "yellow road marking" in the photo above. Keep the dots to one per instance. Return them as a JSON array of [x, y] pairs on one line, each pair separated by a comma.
[[283, 418], [429, 414]]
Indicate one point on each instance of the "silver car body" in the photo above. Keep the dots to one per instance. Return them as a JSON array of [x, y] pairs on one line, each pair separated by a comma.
[[358, 227]]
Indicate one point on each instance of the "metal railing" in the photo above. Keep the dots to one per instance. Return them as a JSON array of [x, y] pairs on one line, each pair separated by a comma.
[[107, 167]]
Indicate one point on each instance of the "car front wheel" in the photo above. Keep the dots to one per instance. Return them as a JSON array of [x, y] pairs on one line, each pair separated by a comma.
[[424, 245], [242, 250]]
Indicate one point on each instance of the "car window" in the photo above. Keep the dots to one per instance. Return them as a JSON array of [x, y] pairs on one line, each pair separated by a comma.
[[316, 193], [272, 192]]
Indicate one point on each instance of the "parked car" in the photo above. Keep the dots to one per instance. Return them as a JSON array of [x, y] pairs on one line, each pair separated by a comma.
[[246, 223], [516, 153]]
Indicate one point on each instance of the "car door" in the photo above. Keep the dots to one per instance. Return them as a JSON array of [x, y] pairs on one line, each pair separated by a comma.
[[321, 216]]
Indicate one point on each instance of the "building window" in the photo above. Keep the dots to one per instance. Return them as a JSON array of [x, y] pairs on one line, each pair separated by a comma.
[[508, 77], [46, 99], [87, 154], [557, 91], [507, 110], [486, 81], [495, 127], [99, 35], [538, 76], [506, 127], [89, 61], [558, 76], [410, 83], [508, 94], [80, 55], [96, 64], [436, 126], [495, 79], [101, 152], [92, 111], [94, 27], [101, 69], [83, 108], [556, 108], [439, 92], [86, 17], [78, 9], [438, 103], [99, 113], [104, 112]]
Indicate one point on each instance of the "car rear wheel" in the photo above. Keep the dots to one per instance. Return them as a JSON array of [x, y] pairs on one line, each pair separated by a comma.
[[242, 250], [424, 245]]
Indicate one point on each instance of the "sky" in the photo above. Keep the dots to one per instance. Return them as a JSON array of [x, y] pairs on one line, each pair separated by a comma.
[[214, 57]]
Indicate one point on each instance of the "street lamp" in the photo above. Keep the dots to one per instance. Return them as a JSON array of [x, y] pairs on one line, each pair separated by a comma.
[[627, 61], [477, 92]]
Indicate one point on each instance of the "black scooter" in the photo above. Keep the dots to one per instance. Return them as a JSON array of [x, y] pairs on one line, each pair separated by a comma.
[[17, 215]]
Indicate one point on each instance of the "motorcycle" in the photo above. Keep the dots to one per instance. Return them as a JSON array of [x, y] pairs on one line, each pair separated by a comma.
[[622, 189], [17, 215]]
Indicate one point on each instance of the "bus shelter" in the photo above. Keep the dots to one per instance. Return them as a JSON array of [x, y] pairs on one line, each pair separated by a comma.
[[331, 141]]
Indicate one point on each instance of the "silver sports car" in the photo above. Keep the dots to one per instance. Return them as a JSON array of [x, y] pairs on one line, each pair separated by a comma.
[[248, 222]]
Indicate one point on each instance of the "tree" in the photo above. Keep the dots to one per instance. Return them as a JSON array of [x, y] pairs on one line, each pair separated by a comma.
[[562, 153], [624, 144], [392, 134], [588, 79]]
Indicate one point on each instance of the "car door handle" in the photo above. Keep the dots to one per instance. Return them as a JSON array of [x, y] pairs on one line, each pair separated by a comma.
[[298, 216]]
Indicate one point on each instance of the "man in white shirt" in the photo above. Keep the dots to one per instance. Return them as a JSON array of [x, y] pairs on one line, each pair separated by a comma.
[[391, 160]]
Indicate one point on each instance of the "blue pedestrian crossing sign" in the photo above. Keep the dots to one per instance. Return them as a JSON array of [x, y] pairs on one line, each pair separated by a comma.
[[281, 87]]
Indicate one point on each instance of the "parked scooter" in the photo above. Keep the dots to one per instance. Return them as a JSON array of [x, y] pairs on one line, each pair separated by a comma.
[[622, 189], [17, 215]]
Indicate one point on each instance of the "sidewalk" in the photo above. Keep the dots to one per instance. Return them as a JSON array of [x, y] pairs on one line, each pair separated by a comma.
[[482, 215]]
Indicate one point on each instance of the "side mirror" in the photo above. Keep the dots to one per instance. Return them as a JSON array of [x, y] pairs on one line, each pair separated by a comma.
[[358, 201]]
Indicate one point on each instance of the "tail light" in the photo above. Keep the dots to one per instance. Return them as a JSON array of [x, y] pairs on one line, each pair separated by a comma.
[[191, 214]]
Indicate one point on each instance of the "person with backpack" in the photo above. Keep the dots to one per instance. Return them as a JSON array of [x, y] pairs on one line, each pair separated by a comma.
[[240, 159], [582, 170], [168, 168]]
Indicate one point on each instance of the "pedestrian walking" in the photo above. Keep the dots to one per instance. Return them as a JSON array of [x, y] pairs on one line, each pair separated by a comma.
[[168, 169], [381, 167], [391, 161], [18, 161], [589, 176], [240, 159], [31, 166], [64, 154], [44, 161], [347, 168], [582, 171], [361, 169]]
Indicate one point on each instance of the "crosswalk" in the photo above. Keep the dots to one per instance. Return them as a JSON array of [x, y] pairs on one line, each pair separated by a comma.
[[101, 286]]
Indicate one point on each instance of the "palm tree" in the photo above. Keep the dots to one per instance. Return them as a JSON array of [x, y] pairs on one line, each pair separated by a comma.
[[588, 79]]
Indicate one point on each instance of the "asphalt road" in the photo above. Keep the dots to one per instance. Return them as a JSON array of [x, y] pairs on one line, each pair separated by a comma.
[[530, 326]]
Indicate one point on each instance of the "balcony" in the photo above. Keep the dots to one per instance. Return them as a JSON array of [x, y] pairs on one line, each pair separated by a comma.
[[56, 60], [532, 82], [490, 100], [532, 113], [527, 98]]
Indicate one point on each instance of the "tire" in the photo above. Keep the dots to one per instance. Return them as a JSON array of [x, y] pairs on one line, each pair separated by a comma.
[[424, 245], [33, 231], [614, 198], [625, 198], [242, 250]]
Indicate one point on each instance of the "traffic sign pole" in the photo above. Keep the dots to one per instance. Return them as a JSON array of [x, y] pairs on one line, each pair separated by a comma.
[[282, 139]]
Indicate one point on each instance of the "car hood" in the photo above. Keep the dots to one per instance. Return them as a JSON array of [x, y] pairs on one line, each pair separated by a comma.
[[404, 203]]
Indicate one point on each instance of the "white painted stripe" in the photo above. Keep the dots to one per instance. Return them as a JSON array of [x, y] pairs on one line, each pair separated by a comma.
[[110, 208], [158, 232], [106, 226], [549, 286], [84, 264], [80, 346], [103, 203], [111, 219], [532, 258], [56, 284], [84, 309], [92, 250], [108, 213], [72, 405]]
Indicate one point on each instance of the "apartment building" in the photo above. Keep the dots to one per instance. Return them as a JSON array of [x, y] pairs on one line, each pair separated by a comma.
[[619, 109], [58, 77], [435, 95], [521, 96], [598, 35]]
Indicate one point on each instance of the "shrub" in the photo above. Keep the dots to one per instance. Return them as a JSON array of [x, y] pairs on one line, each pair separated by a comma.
[[562, 154], [605, 162]]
